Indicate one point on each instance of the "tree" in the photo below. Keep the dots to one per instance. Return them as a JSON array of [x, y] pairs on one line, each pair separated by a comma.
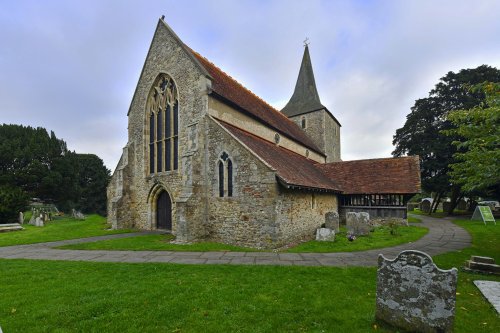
[[423, 131], [40, 165], [476, 166], [12, 201]]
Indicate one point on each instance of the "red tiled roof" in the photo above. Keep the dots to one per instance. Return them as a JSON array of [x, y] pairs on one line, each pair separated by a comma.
[[383, 176], [225, 86], [292, 169]]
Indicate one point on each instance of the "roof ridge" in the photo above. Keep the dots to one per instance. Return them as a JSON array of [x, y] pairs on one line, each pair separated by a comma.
[[237, 82], [373, 159]]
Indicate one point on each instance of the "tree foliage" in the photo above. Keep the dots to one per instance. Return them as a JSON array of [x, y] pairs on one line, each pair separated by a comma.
[[12, 201], [40, 165], [476, 166], [423, 131]]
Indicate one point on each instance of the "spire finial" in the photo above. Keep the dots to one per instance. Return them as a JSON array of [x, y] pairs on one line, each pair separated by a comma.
[[306, 41]]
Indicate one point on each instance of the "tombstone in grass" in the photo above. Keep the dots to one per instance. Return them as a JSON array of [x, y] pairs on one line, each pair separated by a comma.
[[21, 218], [325, 235], [414, 294], [358, 224], [77, 214], [332, 221], [39, 221]]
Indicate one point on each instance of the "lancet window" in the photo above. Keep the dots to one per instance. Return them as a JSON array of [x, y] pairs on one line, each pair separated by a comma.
[[225, 169], [163, 115]]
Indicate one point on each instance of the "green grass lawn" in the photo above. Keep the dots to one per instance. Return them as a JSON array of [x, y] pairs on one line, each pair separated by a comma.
[[46, 296], [379, 238], [66, 228], [153, 243], [412, 219], [439, 213]]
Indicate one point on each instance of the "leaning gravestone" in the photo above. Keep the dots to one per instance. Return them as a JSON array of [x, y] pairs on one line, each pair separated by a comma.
[[325, 235], [332, 221], [358, 224], [414, 294]]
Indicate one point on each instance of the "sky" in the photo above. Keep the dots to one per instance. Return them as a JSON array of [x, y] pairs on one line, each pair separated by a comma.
[[72, 66]]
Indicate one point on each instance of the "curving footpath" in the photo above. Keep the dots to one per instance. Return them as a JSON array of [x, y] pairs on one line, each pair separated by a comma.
[[443, 236]]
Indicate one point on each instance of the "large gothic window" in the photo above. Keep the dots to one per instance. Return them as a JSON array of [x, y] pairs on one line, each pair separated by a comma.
[[163, 117], [225, 169]]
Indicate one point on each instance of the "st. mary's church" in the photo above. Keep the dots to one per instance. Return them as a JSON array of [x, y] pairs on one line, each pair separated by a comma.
[[209, 160]]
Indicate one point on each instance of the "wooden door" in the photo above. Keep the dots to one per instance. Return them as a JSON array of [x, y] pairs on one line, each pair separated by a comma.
[[164, 212]]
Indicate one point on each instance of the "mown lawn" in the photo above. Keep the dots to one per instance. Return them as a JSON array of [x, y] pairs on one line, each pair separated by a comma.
[[46, 296], [66, 228], [377, 239], [381, 237], [154, 243]]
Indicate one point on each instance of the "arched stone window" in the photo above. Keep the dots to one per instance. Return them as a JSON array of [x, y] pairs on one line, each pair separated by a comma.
[[303, 122], [225, 168], [163, 115]]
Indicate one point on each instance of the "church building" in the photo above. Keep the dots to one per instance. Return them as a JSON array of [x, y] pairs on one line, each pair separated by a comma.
[[209, 160]]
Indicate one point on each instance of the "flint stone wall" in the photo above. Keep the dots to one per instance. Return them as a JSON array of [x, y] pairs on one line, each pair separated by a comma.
[[358, 223], [414, 294]]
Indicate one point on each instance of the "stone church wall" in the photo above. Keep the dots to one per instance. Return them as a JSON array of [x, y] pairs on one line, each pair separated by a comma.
[[247, 218], [132, 203], [300, 213]]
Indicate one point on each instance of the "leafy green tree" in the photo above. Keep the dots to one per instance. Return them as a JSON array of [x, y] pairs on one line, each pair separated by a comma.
[[12, 201], [476, 167], [423, 131]]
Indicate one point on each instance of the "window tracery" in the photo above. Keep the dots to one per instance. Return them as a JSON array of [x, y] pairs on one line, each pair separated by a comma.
[[163, 111], [225, 168]]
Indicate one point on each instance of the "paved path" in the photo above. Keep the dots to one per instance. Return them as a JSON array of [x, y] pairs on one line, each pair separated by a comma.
[[443, 236]]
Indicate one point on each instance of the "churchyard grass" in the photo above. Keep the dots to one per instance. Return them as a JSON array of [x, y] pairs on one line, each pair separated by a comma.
[[412, 219], [379, 238], [154, 243], [40, 296], [61, 229]]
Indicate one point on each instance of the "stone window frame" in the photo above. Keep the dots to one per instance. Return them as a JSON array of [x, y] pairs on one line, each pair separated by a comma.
[[165, 145], [225, 176], [303, 122]]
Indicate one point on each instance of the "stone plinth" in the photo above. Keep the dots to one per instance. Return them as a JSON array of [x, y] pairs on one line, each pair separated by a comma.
[[325, 235], [414, 294]]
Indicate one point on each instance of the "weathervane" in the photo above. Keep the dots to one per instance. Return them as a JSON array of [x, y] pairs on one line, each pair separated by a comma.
[[306, 41]]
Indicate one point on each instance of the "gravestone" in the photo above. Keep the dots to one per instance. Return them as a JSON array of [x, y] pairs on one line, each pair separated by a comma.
[[325, 235], [332, 221], [358, 224], [77, 214], [39, 221], [414, 294], [21, 218]]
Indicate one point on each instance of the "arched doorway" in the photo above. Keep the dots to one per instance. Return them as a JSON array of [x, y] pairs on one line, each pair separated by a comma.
[[164, 212]]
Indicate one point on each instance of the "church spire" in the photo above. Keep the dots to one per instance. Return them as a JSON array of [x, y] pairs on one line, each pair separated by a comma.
[[305, 98]]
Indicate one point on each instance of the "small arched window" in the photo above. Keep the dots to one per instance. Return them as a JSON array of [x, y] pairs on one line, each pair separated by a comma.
[[303, 122], [163, 125], [225, 168]]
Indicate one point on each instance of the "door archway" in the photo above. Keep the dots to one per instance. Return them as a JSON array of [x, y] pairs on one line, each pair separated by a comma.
[[164, 212]]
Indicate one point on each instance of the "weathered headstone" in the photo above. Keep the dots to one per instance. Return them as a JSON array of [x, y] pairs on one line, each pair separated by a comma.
[[77, 214], [39, 221], [414, 294], [21, 218], [358, 223], [325, 235], [332, 221]]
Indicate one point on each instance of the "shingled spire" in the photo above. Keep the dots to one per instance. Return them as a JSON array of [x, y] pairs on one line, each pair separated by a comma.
[[305, 98]]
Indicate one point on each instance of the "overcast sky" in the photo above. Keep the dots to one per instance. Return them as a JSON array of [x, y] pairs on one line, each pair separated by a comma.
[[72, 66]]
